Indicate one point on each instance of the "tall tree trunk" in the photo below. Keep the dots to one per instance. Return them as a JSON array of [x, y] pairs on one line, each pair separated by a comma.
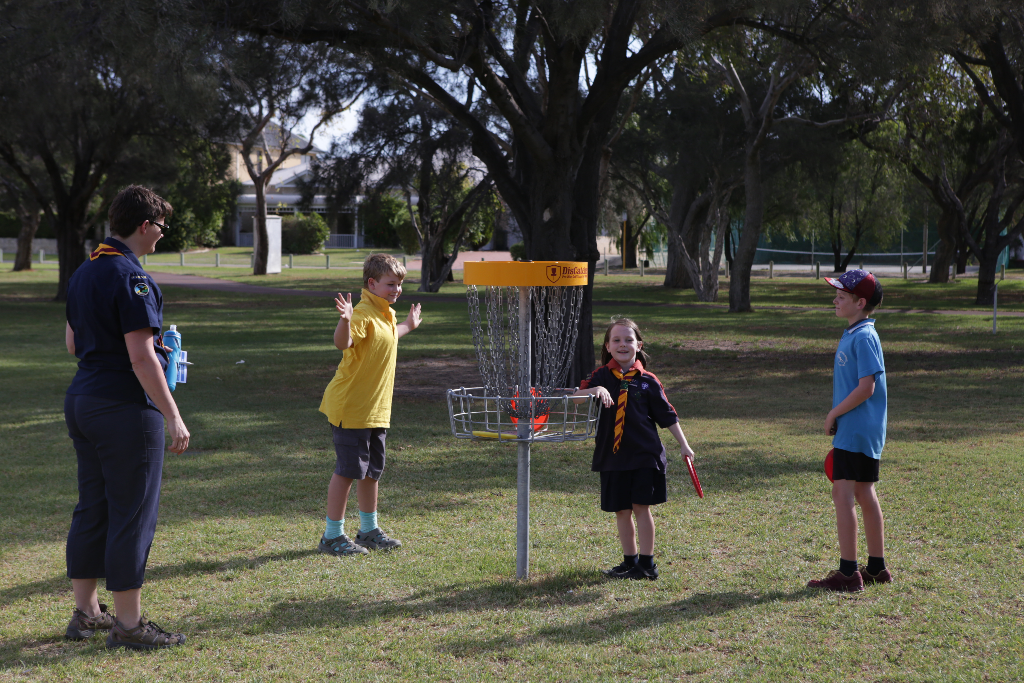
[[753, 217], [27, 233], [70, 249], [948, 227], [261, 246]]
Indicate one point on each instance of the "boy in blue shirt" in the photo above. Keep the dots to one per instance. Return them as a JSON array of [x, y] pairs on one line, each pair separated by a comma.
[[857, 425]]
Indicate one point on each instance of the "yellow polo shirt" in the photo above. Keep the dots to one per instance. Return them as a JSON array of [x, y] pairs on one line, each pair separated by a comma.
[[359, 396]]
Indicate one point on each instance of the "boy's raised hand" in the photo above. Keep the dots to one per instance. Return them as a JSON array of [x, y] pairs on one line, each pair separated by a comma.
[[413, 321], [344, 306]]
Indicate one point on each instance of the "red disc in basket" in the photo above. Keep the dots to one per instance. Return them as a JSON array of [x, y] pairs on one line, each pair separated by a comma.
[[828, 465], [694, 479]]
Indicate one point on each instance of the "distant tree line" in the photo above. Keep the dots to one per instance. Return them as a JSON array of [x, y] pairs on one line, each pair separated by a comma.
[[708, 124]]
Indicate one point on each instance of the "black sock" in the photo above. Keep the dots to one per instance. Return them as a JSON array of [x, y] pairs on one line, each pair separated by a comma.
[[629, 560], [847, 567], [646, 561], [876, 565]]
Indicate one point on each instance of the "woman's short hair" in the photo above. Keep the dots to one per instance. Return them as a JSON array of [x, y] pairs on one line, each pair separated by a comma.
[[133, 206]]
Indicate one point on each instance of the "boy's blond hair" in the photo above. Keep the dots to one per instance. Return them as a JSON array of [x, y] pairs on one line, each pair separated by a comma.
[[378, 266]]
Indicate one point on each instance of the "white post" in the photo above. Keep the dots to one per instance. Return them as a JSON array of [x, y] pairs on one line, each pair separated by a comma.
[[291, 262], [641, 266], [216, 259], [525, 426], [42, 255], [771, 270], [181, 258], [328, 266]]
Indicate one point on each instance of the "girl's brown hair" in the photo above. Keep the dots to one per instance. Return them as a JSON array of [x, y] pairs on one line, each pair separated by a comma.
[[641, 355]]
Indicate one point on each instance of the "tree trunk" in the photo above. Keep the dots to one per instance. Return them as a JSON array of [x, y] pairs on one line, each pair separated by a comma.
[[947, 227], [29, 226], [70, 250], [753, 217], [260, 244]]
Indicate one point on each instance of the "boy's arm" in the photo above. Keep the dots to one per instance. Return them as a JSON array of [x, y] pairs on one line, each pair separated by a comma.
[[343, 332], [684, 448], [865, 389], [410, 323]]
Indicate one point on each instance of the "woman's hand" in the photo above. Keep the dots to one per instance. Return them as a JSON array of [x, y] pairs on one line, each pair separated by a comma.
[[179, 435]]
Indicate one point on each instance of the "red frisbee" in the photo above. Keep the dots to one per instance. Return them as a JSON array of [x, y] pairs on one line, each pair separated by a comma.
[[828, 465], [694, 479]]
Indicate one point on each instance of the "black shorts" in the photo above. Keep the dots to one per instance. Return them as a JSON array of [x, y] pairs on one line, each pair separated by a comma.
[[621, 489], [853, 466], [359, 452]]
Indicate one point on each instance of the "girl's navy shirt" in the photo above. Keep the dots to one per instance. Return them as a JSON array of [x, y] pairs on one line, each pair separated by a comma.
[[108, 298], [647, 408]]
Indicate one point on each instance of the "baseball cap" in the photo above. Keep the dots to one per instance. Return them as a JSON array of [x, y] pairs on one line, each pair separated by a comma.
[[860, 283]]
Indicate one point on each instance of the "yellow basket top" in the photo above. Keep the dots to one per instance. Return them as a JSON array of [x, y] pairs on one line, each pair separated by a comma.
[[525, 273]]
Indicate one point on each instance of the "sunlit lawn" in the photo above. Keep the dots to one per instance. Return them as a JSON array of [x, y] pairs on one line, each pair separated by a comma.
[[233, 564]]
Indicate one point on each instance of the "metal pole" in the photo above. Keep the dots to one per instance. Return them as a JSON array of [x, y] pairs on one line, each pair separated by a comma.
[[523, 431]]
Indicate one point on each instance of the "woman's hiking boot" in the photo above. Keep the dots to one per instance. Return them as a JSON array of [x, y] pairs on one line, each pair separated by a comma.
[[83, 627], [146, 636]]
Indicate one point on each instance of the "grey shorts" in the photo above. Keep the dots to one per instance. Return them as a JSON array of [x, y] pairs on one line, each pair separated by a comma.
[[360, 452]]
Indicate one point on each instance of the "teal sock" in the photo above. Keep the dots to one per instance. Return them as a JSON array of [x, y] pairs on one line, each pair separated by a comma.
[[367, 521], [334, 529]]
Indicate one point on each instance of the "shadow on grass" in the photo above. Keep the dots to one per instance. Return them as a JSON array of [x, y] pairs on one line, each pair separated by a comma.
[[59, 583]]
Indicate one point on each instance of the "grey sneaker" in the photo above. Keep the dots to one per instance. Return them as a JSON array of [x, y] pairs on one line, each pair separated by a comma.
[[377, 540], [341, 547]]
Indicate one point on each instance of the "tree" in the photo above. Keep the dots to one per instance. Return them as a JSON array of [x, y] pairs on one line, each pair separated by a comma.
[[552, 75], [81, 111], [271, 86], [859, 199], [25, 207], [407, 144]]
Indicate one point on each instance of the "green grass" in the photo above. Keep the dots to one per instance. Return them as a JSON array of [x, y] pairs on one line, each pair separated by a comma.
[[233, 563]]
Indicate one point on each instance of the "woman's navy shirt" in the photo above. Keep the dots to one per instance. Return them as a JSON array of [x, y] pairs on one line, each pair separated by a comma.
[[107, 298], [647, 408]]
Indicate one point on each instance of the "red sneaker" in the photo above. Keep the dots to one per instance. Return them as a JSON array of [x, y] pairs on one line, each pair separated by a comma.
[[838, 582], [884, 576]]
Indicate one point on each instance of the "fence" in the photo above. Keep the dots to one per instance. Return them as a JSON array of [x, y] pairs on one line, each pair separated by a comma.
[[334, 241]]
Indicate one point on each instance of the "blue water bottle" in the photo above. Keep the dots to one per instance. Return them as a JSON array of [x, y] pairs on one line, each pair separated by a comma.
[[172, 340]]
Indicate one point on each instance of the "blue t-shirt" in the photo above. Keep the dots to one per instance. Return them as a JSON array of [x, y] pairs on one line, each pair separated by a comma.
[[862, 430], [107, 298]]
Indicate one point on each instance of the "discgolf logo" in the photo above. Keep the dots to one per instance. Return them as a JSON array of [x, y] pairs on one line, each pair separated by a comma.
[[142, 289], [841, 357], [554, 274]]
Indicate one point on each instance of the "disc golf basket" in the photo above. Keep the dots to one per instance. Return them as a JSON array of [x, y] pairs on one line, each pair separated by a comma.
[[525, 334]]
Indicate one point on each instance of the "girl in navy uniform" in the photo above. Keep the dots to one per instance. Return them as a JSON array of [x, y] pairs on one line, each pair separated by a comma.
[[628, 451], [115, 410]]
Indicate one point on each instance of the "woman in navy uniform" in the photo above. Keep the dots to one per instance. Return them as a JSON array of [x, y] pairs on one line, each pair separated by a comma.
[[115, 410]]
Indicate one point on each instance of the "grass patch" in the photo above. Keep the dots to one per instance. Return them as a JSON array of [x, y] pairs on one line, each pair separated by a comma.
[[233, 563]]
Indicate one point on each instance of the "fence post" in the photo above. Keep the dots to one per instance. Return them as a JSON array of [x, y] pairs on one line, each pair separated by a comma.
[[641, 267], [952, 271], [181, 258], [216, 259], [1002, 272], [328, 266], [905, 269], [252, 260], [42, 255], [727, 269], [606, 264], [862, 265], [291, 261], [817, 270], [405, 261], [771, 270]]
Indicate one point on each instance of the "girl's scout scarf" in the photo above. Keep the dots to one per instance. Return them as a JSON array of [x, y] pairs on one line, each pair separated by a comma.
[[620, 408], [105, 250]]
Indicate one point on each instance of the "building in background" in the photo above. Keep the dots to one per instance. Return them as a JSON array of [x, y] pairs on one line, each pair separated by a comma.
[[284, 195]]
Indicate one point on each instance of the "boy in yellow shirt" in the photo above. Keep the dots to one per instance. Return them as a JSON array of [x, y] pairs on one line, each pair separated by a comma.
[[357, 403]]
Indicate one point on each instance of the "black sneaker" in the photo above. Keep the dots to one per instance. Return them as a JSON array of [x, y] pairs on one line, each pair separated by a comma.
[[341, 547], [145, 636], [638, 573], [83, 627], [619, 571], [377, 540]]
